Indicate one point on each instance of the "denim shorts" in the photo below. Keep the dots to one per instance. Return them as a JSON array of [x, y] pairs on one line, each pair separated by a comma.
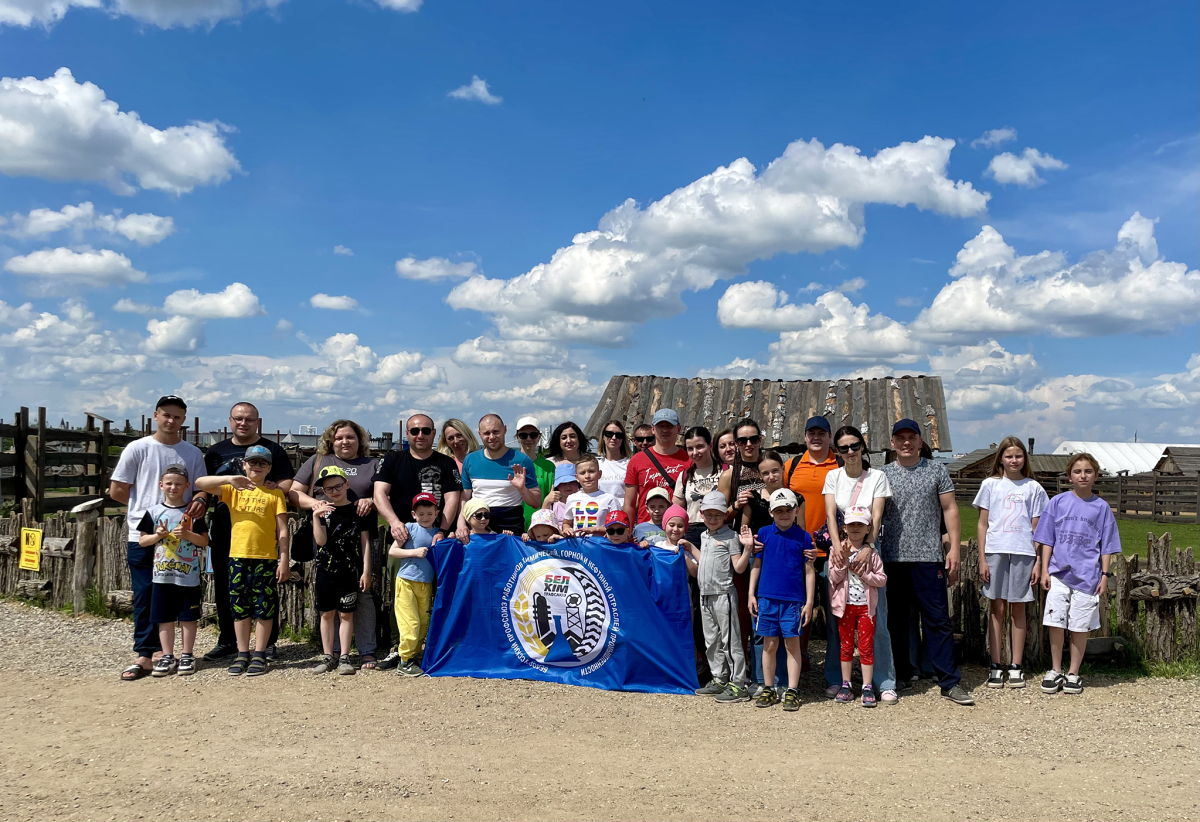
[[778, 617]]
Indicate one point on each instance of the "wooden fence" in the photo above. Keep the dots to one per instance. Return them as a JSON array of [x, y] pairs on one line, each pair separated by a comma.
[[1143, 496]]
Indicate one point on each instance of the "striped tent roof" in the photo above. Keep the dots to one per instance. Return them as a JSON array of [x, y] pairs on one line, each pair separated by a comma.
[[781, 407]]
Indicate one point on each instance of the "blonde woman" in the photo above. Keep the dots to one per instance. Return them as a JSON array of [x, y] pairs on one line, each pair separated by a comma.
[[457, 441]]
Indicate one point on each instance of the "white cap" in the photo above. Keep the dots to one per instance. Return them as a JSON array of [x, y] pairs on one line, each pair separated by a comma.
[[658, 492], [783, 498], [859, 513], [714, 501], [525, 422]]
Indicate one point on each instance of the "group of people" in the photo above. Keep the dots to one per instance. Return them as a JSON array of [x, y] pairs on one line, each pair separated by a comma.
[[765, 540]]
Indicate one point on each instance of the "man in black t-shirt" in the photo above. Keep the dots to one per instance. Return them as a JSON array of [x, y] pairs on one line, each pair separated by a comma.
[[404, 474], [225, 459]]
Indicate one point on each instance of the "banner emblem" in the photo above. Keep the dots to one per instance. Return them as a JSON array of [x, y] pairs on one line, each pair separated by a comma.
[[559, 613]]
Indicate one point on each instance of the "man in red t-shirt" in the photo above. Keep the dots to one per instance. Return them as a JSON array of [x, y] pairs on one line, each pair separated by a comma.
[[643, 475]]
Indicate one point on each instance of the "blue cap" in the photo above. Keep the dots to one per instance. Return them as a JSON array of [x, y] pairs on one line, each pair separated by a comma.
[[665, 415], [258, 452], [818, 422], [906, 425], [564, 472]]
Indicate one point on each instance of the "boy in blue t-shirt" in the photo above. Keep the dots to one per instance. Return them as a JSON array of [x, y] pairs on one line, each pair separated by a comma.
[[782, 586], [415, 583]]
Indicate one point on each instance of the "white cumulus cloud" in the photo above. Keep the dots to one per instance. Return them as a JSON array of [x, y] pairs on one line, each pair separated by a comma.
[[994, 137], [760, 305], [493, 353], [235, 301], [161, 13], [128, 306], [1022, 170], [83, 267], [434, 268], [143, 229], [175, 335], [476, 90], [333, 303], [342, 251], [59, 129]]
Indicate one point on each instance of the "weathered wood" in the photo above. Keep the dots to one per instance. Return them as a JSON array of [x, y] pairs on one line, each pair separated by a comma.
[[1127, 609], [1153, 585], [33, 588], [974, 628], [1108, 646], [83, 569], [1160, 642], [120, 602]]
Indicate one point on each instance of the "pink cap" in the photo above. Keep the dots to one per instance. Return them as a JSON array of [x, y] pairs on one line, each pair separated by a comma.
[[675, 511]]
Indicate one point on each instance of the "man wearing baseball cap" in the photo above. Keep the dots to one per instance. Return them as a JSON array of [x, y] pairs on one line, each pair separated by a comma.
[[658, 466], [529, 434], [134, 483], [910, 546]]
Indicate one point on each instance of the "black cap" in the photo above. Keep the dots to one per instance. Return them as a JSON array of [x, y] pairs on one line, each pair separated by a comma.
[[818, 422], [170, 399], [906, 425]]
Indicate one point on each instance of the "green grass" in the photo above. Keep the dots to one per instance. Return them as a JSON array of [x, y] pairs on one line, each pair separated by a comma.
[[304, 635], [1133, 531], [95, 604]]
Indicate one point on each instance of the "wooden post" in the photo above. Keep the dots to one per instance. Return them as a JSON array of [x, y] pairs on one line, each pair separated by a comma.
[[86, 516], [105, 444], [196, 431], [1160, 616], [39, 466], [1185, 608], [20, 490], [1123, 570]]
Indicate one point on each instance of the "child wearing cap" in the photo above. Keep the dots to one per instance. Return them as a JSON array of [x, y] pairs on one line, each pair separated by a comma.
[[542, 528], [658, 500], [343, 542], [854, 598], [258, 554], [720, 556], [478, 517], [616, 528], [587, 509], [782, 585], [565, 484], [415, 582], [179, 544]]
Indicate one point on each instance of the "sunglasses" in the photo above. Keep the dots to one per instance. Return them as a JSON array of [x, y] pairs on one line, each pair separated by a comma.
[[481, 516], [755, 440], [615, 435], [420, 432], [644, 440], [850, 449], [616, 531], [529, 435]]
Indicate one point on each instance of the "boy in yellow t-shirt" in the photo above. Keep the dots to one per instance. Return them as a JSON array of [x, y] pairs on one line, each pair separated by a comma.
[[258, 554]]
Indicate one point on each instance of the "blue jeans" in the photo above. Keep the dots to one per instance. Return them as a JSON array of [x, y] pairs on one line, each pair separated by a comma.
[[141, 573], [884, 677]]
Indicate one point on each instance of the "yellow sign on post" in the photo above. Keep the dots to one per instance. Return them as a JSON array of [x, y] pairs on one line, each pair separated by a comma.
[[31, 549]]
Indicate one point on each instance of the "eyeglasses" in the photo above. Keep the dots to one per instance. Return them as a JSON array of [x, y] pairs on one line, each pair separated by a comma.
[[644, 440], [755, 440], [529, 435], [481, 516], [615, 435], [258, 463], [616, 531], [850, 449], [336, 489], [423, 431]]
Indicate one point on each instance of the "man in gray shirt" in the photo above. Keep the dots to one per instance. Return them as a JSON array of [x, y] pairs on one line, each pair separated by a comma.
[[910, 546]]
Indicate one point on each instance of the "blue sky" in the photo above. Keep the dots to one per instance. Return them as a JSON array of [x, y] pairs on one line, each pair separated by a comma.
[[331, 124]]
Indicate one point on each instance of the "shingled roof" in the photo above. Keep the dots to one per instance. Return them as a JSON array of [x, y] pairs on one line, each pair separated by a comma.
[[781, 407]]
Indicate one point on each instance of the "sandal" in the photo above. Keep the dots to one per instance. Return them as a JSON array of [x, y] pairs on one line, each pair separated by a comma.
[[240, 664], [367, 663], [258, 664], [133, 673]]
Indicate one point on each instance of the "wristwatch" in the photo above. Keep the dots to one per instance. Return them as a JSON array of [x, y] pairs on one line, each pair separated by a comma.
[[1107, 574]]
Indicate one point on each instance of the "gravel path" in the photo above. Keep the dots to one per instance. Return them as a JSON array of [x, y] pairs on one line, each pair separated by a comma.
[[78, 744]]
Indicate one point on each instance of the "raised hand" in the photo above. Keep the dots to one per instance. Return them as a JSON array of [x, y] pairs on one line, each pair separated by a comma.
[[518, 476]]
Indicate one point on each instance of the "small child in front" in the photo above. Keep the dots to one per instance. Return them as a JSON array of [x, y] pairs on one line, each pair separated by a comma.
[[616, 528], [565, 484], [853, 598], [587, 508], [542, 528], [415, 582], [175, 593], [1077, 536], [259, 556], [342, 540], [782, 586], [720, 556], [675, 524], [649, 533]]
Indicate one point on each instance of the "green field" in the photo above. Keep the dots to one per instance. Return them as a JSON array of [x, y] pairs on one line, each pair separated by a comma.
[[1133, 531]]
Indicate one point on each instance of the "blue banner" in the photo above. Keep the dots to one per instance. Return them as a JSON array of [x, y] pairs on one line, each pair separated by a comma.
[[579, 611]]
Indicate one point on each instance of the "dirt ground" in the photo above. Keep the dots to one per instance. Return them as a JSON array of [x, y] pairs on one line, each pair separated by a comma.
[[79, 744]]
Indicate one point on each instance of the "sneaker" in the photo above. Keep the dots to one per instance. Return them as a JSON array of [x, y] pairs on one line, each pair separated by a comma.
[[187, 665], [388, 662], [832, 691], [220, 651], [916, 677], [766, 698], [868, 697], [901, 686], [844, 694], [344, 667], [733, 693], [324, 664], [791, 699], [1052, 682], [1073, 685], [272, 653], [958, 695], [164, 666], [889, 698], [713, 688], [995, 676], [409, 668], [1016, 677], [754, 689]]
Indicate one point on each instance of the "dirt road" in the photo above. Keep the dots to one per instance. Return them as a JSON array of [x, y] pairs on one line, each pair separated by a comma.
[[78, 744]]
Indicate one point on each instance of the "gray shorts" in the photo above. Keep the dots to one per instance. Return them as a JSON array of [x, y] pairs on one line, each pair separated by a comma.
[[1010, 577]]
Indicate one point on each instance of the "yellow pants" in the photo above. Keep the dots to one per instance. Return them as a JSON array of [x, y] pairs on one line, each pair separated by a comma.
[[414, 601]]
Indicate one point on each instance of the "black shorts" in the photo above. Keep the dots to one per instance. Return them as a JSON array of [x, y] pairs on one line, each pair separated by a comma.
[[174, 603], [253, 589], [336, 591]]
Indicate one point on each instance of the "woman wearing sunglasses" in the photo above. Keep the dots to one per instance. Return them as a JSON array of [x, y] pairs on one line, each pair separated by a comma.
[[614, 458], [567, 444], [857, 484]]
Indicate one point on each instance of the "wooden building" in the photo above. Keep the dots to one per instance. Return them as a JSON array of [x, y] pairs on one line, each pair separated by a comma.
[[1179, 461]]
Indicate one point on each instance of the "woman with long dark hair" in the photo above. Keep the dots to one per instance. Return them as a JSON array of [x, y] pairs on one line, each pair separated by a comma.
[[567, 444], [702, 476]]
